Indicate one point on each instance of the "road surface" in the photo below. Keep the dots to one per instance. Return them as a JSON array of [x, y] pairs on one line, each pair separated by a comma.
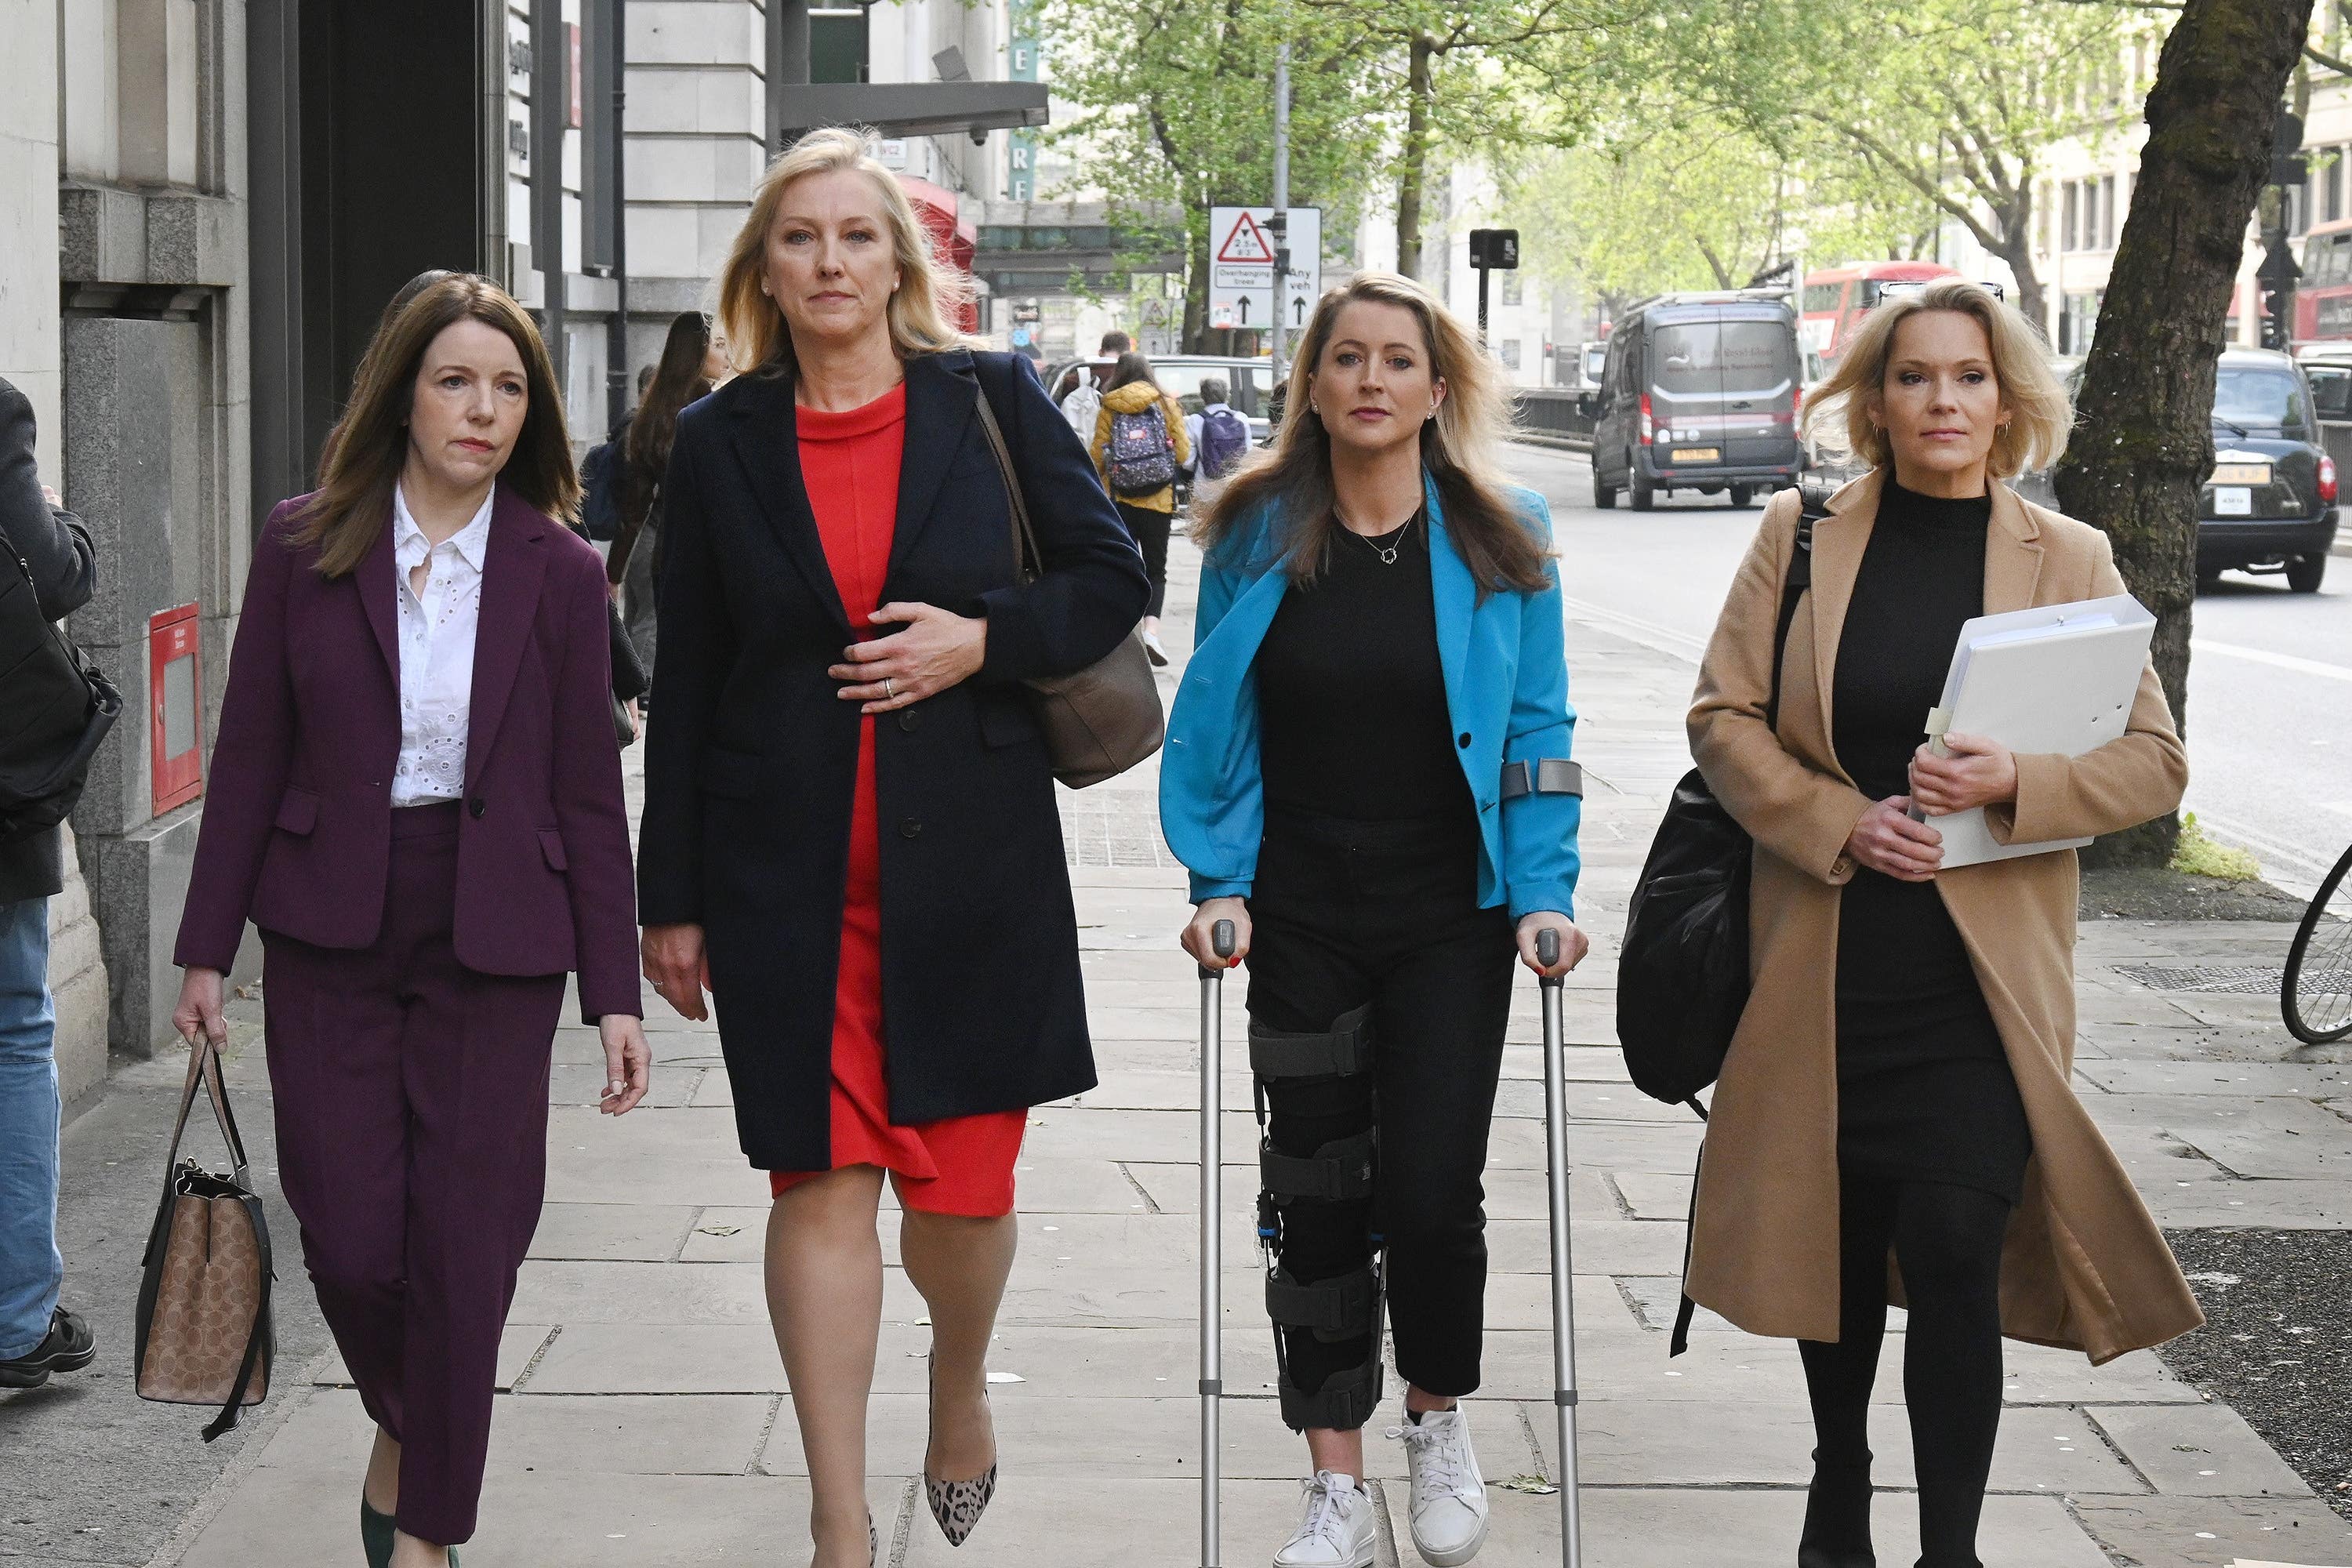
[[2270, 682]]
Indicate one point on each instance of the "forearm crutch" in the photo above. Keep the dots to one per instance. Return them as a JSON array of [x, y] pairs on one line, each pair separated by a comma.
[[1563, 1306], [1212, 1357]]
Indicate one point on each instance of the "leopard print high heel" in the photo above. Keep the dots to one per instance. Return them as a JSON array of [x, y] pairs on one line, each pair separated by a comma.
[[957, 1505]]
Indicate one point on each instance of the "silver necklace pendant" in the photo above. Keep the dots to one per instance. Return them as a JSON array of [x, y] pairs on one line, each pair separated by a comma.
[[1388, 553]]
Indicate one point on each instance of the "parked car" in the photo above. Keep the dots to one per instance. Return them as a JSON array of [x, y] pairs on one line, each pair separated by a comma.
[[1699, 392], [1247, 382], [2269, 505]]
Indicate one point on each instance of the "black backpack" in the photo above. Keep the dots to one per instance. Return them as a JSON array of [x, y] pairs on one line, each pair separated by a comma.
[[1682, 976], [58, 708]]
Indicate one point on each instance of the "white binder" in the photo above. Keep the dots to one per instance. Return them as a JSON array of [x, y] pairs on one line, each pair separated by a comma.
[[2058, 679]]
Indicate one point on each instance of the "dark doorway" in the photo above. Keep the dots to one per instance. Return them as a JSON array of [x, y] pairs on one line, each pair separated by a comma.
[[371, 160]]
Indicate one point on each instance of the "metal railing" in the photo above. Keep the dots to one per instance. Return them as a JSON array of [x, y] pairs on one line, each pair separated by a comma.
[[1549, 415]]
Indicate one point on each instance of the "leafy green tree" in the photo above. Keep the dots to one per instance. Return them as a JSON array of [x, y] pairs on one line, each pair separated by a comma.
[[1175, 115], [1482, 77], [1697, 202], [2142, 443], [1956, 100]]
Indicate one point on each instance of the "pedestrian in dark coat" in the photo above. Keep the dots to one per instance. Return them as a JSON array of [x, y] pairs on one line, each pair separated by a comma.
[[416, 797], [37, 1335], [850, 834]]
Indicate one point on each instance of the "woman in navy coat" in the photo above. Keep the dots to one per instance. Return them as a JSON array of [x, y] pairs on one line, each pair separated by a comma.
[[850, 836]]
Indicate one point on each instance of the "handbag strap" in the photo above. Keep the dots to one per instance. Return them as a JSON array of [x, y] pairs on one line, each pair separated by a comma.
[[259, 1338], [1027, 564], [1811, 507], [205, 1068]]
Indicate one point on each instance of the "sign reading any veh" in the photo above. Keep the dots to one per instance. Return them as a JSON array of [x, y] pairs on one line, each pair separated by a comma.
[[1241, 267]]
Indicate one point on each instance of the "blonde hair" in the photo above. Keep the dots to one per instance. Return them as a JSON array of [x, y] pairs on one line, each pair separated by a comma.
[[2039, 415], [1460, 448], [757, 335]]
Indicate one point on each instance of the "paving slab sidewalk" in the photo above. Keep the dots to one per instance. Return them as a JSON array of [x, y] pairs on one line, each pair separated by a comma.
[[646, 1420]]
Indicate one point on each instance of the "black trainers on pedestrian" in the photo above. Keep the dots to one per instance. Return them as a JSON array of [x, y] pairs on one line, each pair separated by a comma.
[[68, 1346]]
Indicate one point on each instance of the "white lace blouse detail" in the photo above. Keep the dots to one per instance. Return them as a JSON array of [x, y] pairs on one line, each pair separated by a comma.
[[437, 652]]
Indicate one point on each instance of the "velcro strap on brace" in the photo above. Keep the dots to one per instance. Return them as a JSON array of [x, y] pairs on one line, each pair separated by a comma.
[[1339, 1171], [1344, 1403], [1343, 1050], [1336, 1309], [1548, 775]]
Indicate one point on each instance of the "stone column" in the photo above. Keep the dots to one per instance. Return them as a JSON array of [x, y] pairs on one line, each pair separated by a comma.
[[697, 119], [77, 980]]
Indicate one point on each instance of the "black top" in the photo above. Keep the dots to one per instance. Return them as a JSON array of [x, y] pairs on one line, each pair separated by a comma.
[[1924, 1088], [1351, 697]]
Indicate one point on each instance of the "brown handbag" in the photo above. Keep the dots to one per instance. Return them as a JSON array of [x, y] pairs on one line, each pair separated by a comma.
[[204, 1335], [1106, 718]]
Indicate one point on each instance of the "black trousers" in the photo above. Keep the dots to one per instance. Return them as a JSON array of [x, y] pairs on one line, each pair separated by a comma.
[[1947, 1241], [1151, 530], [1346, 914]]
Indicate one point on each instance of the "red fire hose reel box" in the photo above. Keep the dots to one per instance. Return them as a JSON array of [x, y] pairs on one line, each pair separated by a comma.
[[175, 704]]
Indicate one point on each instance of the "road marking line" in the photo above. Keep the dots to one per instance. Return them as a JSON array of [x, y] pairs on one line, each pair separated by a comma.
[[2281, 660], [1650, 634], [2302, 874]]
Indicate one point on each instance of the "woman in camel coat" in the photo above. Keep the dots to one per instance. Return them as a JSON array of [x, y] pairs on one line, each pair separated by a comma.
[[2081, 1264]]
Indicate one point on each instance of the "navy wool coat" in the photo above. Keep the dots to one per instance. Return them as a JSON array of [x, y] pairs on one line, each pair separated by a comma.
[[753, 757]]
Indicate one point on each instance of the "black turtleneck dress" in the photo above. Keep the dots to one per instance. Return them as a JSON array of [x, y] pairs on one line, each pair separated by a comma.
[[1924, 1091]]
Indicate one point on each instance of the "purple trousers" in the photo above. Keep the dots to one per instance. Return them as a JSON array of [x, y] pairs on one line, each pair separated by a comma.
[[412, 1146]]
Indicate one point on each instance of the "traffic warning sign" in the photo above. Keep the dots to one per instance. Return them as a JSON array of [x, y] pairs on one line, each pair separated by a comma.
[[1241, 267]]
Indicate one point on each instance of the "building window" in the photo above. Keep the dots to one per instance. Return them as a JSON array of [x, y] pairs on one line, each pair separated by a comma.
[[2107, 213], [1510, 288], [837, 44], [1509, 349], [2073, 226]]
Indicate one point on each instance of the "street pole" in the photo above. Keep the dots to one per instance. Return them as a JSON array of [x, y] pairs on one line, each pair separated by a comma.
[[1483, 275], [1281, 203]]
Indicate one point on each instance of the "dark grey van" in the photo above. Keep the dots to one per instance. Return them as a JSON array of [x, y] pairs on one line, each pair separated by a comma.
[[1699, 393]]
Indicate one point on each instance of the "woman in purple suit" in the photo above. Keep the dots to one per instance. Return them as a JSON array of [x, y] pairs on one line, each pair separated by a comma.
[[416, 797]]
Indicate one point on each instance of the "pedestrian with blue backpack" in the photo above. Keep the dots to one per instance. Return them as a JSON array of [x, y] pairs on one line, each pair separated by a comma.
[[1220, 438], [1140, 444]]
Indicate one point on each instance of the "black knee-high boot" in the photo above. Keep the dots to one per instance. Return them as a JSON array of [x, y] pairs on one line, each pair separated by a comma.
[[1839, 1378], [1947, 1243]]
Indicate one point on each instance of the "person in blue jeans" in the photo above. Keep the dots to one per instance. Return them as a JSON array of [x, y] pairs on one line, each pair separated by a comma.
[[37, 1335]]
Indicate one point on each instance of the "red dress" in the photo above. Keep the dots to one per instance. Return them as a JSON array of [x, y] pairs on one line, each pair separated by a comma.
[[962, 1165]]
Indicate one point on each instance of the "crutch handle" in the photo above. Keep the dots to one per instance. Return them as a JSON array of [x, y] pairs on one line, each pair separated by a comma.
[[1547, 952], [1220, 942]]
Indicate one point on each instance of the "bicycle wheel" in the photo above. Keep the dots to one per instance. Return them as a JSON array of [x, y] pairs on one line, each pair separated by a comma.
[[2315, 990]]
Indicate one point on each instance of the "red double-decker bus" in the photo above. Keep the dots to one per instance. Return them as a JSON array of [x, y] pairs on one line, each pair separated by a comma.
[[2323, 296], [1836, 297]]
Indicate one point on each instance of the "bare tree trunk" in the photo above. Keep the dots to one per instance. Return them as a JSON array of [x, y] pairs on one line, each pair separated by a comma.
[[2144, 441], [1412, 179], [2017, 248]]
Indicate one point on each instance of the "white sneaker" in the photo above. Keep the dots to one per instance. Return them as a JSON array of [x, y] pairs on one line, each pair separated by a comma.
[[1449, 1496], [1337, 1532]]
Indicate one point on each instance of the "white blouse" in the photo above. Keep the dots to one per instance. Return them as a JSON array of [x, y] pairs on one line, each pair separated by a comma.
[[437, 652]]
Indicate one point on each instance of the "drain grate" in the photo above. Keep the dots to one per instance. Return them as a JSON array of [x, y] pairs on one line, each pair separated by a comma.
[[2239, 980], [2247, 981]]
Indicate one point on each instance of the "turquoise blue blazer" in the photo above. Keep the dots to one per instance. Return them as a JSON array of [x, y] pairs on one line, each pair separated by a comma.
[[1505, 668]]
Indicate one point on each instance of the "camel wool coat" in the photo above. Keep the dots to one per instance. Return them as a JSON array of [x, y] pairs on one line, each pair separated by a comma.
[[2085, 1265]]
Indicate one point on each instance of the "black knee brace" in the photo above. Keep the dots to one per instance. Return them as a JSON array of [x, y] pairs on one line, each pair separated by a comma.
[[1348, 1307]]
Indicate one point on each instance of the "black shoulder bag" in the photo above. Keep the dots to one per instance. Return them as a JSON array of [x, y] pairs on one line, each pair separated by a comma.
[[1682, 979], [58, 709]]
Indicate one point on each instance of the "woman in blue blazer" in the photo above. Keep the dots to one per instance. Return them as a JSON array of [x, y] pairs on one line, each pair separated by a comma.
[[1368, 774]]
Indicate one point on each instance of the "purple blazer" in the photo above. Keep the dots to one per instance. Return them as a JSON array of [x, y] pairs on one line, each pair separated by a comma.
[[298, 814]]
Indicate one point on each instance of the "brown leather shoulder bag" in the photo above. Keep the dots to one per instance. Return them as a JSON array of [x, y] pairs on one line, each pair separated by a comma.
[[1106, 718], [204, 1334]]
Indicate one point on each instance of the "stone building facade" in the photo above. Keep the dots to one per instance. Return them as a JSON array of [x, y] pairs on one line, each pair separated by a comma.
[[204, 206]]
